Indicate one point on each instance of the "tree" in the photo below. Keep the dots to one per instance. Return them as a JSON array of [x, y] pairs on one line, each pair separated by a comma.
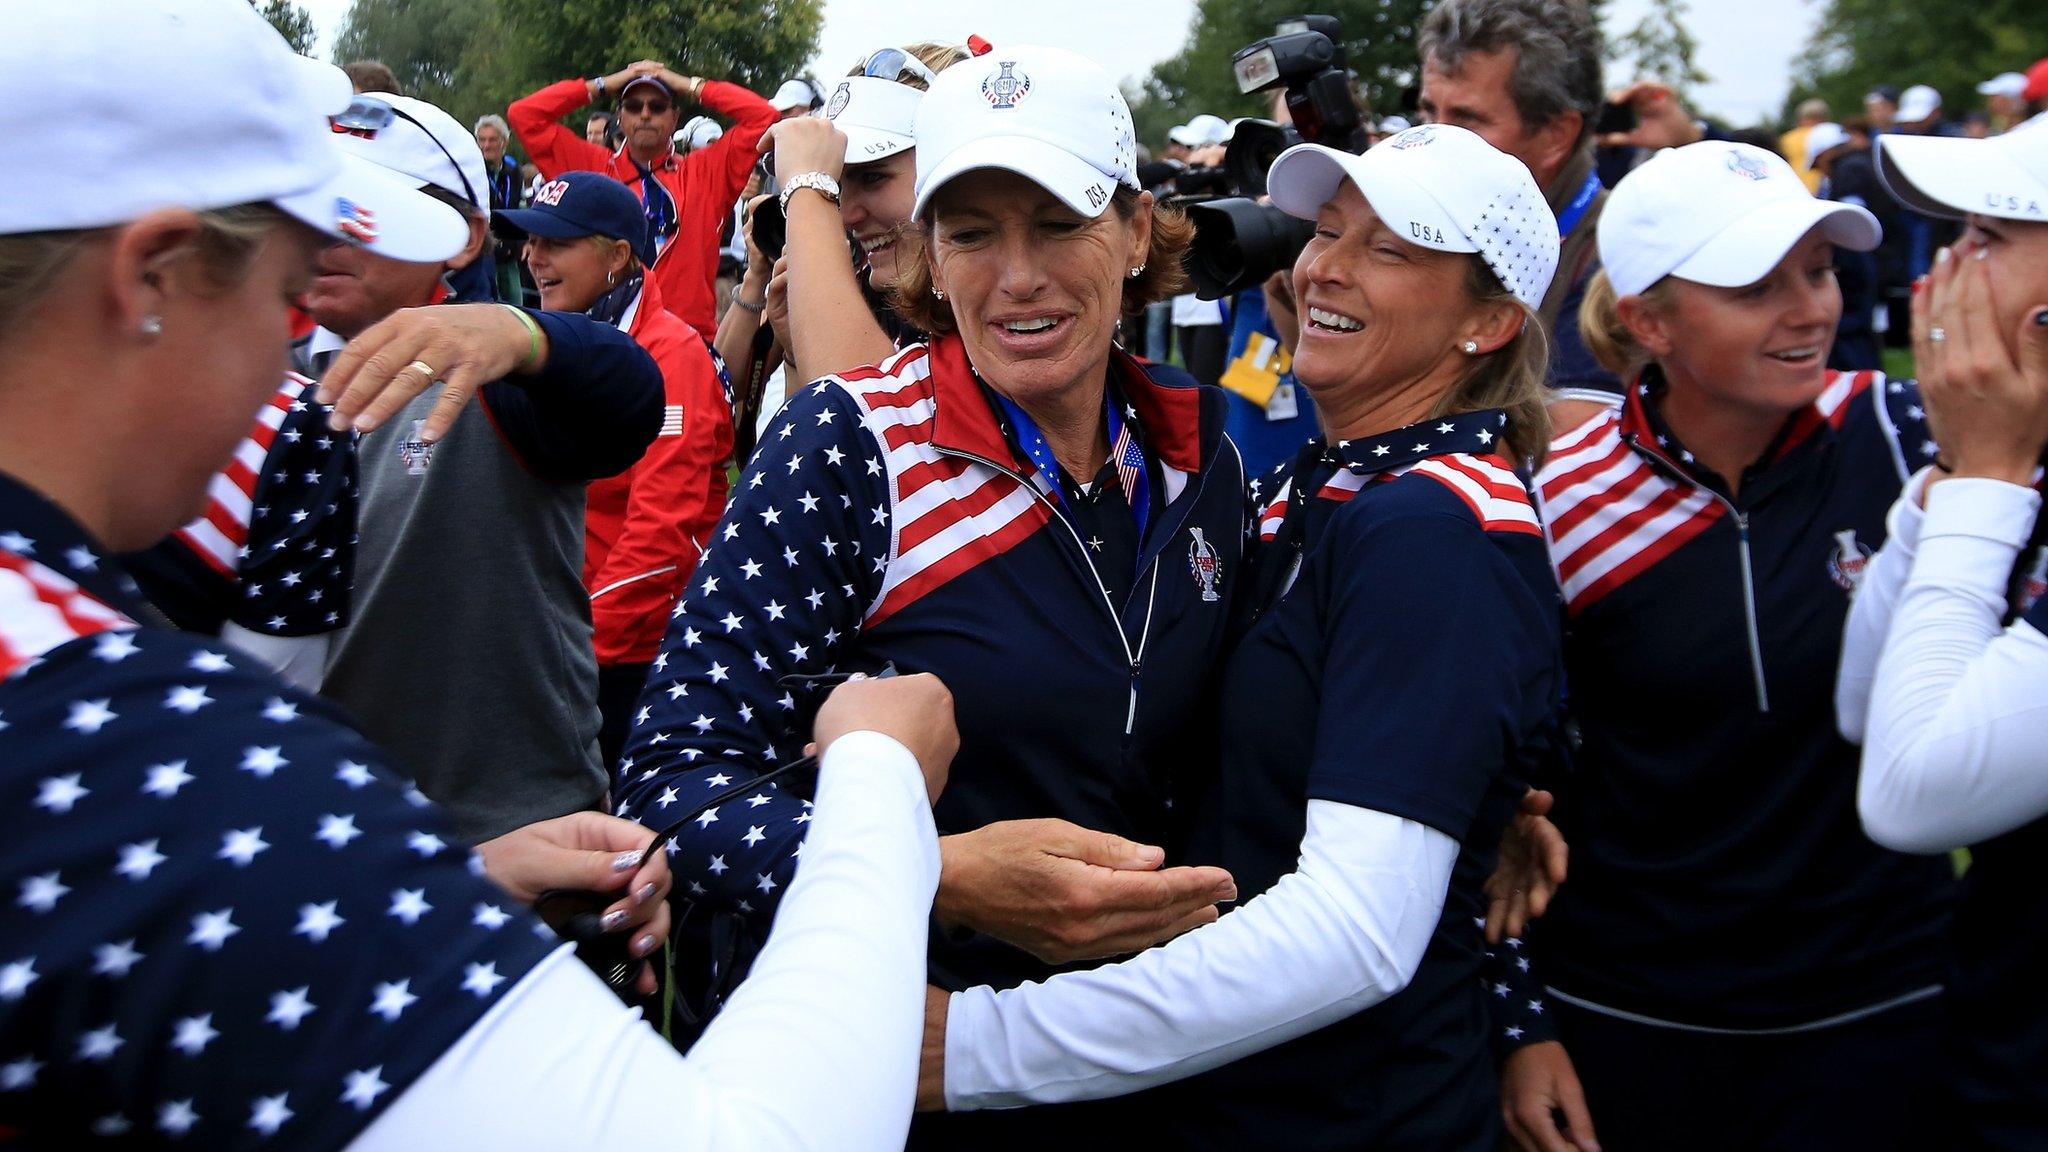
[[476, 56], [291, 22], [1862, 43], [1659, 47]]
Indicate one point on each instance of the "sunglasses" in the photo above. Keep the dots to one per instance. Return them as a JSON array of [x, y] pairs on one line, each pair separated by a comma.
[[651, 107], [897, 65], [366, 116]]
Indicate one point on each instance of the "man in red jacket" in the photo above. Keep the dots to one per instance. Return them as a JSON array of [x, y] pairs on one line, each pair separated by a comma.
[[687, 198]]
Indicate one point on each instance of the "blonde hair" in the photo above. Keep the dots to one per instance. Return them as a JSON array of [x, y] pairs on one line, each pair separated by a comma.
[[933, 55], [1510, 378], [1606, 337], [1162, 279], [31, 262]]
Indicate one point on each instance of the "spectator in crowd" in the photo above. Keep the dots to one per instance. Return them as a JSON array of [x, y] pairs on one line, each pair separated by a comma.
[[2036, 92], [601, 129], [1525, 75], [1015, 505], [1945, 655], [507, 192], [1792, 145], [798, 97], [1848, 176], [2005, 100], [1200, 330], [586, 243], [686, 198], [1708, 536], [488, 697], [697, 132], [1920, 115], [1881, 108], [1355, 961], [371, 76], [862, 154]]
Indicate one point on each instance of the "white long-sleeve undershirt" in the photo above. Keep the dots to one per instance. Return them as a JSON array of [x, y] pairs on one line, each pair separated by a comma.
[[818, 1049], [1956, 731], [1342, 932]]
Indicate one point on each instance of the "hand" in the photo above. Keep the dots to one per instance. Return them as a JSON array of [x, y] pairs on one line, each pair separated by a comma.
[[805, 144], [931, 1063], [915, 711], [1280, 308], [1987, 400], [1661, 121], [683, 86], [1536, 1083], [778, 306], [616, 82], [1530, 867], [758, 265], [1063, 892], [590, 852], [465, 345]]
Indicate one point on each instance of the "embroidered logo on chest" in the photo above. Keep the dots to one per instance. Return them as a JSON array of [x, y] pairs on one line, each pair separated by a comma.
[[1207, 565], [1847, 562], [415, 451]]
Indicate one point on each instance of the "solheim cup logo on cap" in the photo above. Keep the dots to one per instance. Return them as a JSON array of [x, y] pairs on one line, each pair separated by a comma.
[[551, 193], [355, 221], [1413, 138], [1007, 88], [840, 97], [1748, 166], [1846, 564], [1207, 566]]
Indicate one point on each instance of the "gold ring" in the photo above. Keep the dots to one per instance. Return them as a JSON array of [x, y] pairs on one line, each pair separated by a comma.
[[424, 369]]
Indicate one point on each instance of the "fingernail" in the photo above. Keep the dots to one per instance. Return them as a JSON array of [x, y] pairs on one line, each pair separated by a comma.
[[627, 861], [362, 423], [645, 894], [1941, 257], [336, 422], [1919, 285], [612, 921], [644, 945]]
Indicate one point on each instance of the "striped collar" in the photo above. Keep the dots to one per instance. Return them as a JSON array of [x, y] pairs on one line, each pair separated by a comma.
[[1477, 433], [38, 531], [964, 421], [1644, 428]]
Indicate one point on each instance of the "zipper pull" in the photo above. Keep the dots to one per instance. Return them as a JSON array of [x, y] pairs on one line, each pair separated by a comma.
[[1131, 715]]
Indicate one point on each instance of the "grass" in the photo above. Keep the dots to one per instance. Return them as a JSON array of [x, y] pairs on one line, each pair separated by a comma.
[[1898, 363]]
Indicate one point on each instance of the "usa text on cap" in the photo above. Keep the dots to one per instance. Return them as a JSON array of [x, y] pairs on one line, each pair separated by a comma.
[[577, 204], [1951, 176]]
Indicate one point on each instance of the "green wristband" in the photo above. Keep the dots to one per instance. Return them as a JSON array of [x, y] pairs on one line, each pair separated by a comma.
[[532, 360]]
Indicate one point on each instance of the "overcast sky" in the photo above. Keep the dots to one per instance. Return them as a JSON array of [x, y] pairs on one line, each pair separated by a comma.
[[1747, 46]]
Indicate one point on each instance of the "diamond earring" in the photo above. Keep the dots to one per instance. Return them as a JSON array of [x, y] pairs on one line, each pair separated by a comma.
[[152, 325], [1471, 347], [1137, 272], [938, 293]]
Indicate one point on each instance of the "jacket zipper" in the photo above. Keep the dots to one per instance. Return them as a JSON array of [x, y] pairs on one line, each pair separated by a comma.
[[1134, 658]]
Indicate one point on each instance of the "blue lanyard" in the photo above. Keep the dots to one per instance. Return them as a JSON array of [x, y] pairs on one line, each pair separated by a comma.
[[1124, 451], [1574, 211]]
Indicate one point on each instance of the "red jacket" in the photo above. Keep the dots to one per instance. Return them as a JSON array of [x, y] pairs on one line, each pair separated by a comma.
[[705, 184], [644, 528]]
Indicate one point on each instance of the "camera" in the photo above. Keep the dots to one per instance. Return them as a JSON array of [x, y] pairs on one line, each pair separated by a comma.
[[1238, 241]]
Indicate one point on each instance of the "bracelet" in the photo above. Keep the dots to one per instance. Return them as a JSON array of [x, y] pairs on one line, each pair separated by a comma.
[[532, 359], [745, 306], [597, 85]]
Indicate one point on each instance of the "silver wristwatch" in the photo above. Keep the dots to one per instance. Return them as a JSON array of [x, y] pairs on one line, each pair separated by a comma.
[[816, 181]]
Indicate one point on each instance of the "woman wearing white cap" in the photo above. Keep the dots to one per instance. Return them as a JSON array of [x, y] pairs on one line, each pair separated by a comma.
[[1398, 682], [1945, 658], [1727, 934], [1016, 505], [849, 173], [227, 923]]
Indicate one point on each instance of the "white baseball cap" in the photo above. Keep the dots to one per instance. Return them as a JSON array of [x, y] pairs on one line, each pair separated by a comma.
[[2012, 84], [1822, 137], [1439, 187], [697, 132], [794, 94], [1201, 132], [208, 108], [879, 117], [413, 138], [1951, 176], [1719, 213], [1918, 103], [1044, 113], [1395, 124]]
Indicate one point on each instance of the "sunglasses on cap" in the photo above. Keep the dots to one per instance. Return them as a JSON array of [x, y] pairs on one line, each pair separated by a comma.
[[366, 116], [895, 64], [651, 107]]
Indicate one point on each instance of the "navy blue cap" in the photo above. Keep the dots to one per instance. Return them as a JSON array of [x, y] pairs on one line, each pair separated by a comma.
[[577, 204]]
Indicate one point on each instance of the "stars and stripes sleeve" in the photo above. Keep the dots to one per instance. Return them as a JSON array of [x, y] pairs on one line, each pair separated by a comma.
[[1515, 999], [782, 590], [221, 919]]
